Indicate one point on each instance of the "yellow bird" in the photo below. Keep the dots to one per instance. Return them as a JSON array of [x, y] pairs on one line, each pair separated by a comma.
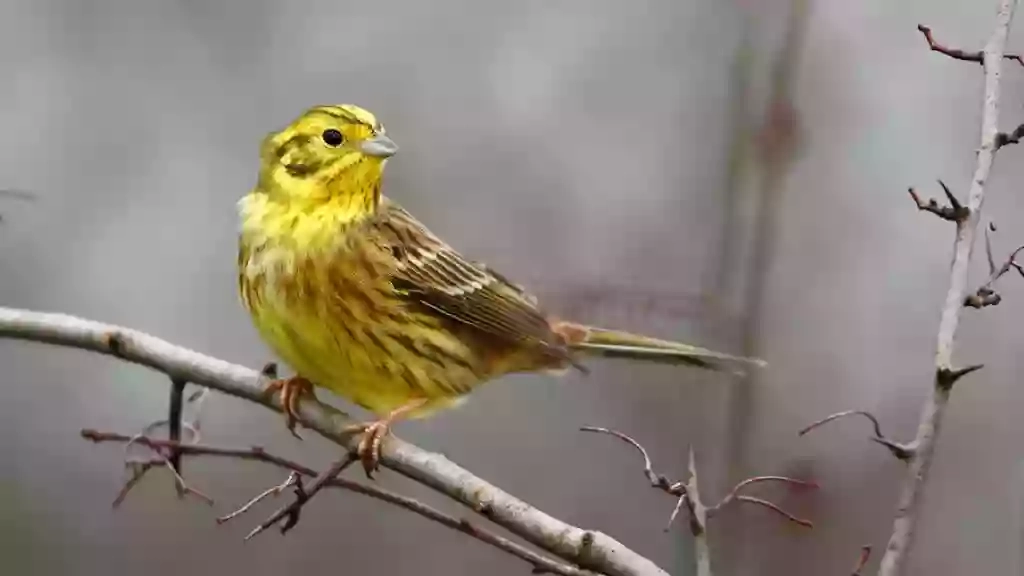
[[360, 298]]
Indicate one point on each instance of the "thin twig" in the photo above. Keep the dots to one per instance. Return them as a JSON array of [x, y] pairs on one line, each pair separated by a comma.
[[290, 512], [687, 494], [916, 476], [540, 564], [292, 480], [902, 451], [958, 54]]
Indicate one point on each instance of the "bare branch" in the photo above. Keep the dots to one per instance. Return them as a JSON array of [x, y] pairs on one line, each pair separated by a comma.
[[540, 564], [916, 476], [958, 54], [589, 549]]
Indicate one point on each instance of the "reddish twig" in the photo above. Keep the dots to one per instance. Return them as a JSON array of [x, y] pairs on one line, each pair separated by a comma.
[[539, 563], [957, 54], [862, 561]]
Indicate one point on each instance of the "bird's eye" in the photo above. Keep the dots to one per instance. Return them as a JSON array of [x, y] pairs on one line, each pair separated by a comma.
[[332, 137]]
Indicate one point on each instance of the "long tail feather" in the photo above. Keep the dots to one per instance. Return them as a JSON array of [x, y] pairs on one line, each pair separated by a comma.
[[618, 344]]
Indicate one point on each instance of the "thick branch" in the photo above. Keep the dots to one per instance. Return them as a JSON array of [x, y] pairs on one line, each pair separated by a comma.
[[255, 453], [586, 548], [931, 417]]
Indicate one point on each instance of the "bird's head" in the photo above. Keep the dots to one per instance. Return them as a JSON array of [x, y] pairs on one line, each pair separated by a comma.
[[328, 154]]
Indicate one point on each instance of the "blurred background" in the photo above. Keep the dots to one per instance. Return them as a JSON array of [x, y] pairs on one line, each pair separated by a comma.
[[731, 172]]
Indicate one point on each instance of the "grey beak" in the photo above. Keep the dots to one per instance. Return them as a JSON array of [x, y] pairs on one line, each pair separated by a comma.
[[380, 146]]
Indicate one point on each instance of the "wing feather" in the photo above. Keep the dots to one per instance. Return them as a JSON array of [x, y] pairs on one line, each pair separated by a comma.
[[434, 275]]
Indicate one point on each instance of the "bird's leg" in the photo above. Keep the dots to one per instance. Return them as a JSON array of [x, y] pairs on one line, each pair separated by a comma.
[[374, 433], [292, 391]]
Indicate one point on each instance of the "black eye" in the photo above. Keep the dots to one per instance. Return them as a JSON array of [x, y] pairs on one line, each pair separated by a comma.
[[332, 137]]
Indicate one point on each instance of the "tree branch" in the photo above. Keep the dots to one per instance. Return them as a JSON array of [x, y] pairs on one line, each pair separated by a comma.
[[589, 549], [945, 374], [540, 564]]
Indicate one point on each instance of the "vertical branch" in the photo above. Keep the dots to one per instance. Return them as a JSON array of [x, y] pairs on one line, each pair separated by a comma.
[[945, 375]]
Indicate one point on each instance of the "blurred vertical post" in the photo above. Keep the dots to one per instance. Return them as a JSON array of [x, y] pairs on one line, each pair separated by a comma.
[[766, 150]]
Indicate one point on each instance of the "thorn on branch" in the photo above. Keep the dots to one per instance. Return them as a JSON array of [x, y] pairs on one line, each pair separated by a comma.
[[954, 212], [901, 451], [1003, 138], [958, 54], [946, 377]]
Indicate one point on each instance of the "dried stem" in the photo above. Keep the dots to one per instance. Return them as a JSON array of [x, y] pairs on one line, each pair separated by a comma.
[[540, 564], [930, 424], [589, 549]]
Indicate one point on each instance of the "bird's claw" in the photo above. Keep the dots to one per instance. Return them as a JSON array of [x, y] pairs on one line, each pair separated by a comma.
[[370, 444], [292, 391]]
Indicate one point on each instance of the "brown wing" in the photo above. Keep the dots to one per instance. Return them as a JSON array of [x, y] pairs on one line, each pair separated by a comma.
[[432, 274]]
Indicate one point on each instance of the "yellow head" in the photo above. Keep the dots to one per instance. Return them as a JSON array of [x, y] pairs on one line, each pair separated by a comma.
[[329, 154]]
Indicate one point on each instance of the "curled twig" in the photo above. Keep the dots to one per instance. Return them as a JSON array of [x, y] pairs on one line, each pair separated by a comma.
[[900, 450]]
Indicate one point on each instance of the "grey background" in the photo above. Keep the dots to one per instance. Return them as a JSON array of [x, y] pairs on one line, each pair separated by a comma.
[[582, 147]]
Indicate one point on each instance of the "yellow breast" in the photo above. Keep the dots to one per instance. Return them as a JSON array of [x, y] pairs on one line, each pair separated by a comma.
[[329, 311]]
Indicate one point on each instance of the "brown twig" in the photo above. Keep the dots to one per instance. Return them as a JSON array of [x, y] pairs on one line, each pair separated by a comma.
[[930, 424], [900, 450], [955, 212], [687, 494], [540, 564], [958, 54]]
